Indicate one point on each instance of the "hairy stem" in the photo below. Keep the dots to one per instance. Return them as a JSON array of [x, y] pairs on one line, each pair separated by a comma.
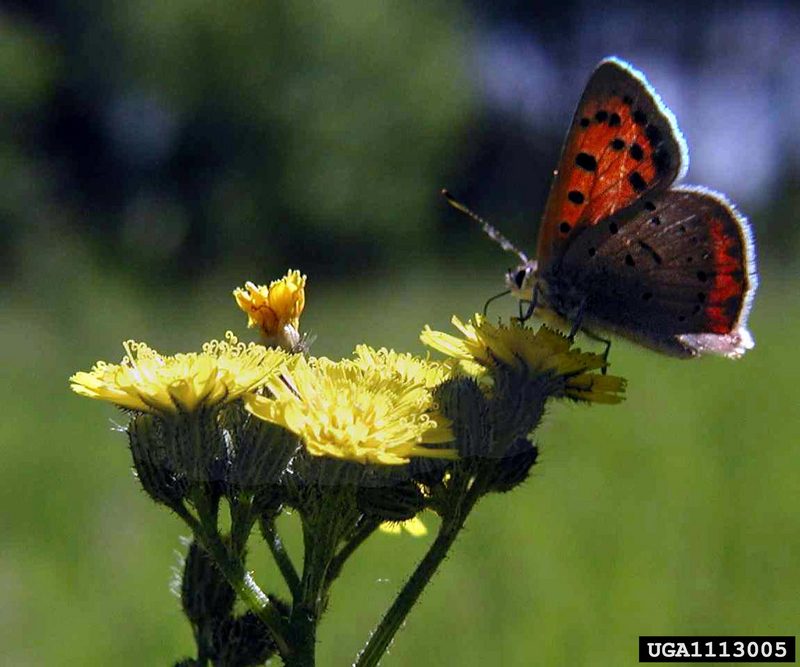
[[240, 580], [281, 556], [394, 618]]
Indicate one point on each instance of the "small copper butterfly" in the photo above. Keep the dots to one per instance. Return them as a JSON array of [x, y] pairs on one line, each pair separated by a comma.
[[622, 248]]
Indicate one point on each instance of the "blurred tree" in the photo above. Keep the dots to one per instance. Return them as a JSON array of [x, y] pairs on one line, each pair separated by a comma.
[[185, 132], [30, 66], [176, 136]]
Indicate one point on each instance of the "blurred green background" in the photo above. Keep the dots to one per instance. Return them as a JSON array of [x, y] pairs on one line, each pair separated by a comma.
[[156, 155]]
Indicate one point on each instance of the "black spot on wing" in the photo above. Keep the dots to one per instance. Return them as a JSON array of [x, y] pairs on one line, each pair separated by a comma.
[[653, 134], [662, 160], [586, 162], [637, 181], [651, 251], [576, 196]]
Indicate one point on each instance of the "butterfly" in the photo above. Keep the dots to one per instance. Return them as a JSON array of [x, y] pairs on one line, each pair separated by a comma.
[[622, 248]]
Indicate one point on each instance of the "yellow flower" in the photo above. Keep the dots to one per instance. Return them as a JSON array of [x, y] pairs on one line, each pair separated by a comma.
[[404, 364], [413, 526], [365, 411], [148, 381], [485, 346], [275, 309]]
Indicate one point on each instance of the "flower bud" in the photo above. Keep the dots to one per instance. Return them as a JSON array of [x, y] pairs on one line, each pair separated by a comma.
[[462, 401], [428, 472], [243, 641], [324, 471], [517, 405], [275, 309], [197, 444], [206, 596], [156, 473], [259, 451], [398, 502], [514, 467]]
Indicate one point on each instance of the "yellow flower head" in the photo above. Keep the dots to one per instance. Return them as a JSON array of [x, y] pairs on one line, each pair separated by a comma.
[[404, 365], [275, 308], [148, 381], [369, 410], [485, 347], [414, 526]]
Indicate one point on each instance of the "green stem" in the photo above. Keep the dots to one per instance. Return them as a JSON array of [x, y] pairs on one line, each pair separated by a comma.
[[364, 530], [240, 580], [332, 516], [396, 615], [307, 602], [281, 556], [242, 520], [202, 657], [304, 639]]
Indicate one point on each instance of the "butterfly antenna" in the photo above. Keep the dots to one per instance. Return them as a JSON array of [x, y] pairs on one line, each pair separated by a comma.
[[489, 229]]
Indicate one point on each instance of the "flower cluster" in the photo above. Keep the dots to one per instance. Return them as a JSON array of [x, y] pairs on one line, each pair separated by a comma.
[[354, 445]]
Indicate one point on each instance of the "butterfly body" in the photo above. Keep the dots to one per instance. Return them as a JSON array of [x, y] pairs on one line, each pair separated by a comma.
[[621, 249]]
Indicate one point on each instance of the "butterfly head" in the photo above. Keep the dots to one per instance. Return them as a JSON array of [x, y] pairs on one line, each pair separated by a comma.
[[520, 280]]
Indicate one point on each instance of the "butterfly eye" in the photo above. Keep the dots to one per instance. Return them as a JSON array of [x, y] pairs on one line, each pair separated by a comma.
[[519, 278]]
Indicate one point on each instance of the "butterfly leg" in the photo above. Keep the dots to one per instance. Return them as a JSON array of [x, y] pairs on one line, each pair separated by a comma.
[[493, 298], [576, 326], [605, 341], [523, 317], [577, 321]]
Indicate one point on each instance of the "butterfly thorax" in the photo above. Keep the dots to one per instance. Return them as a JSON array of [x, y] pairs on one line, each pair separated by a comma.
[[549, 290], [563, 293]]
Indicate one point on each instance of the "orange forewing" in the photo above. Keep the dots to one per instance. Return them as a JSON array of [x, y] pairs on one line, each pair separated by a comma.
[[622, 144]]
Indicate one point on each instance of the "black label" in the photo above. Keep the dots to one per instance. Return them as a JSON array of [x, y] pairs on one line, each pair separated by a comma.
[[716, 649]]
